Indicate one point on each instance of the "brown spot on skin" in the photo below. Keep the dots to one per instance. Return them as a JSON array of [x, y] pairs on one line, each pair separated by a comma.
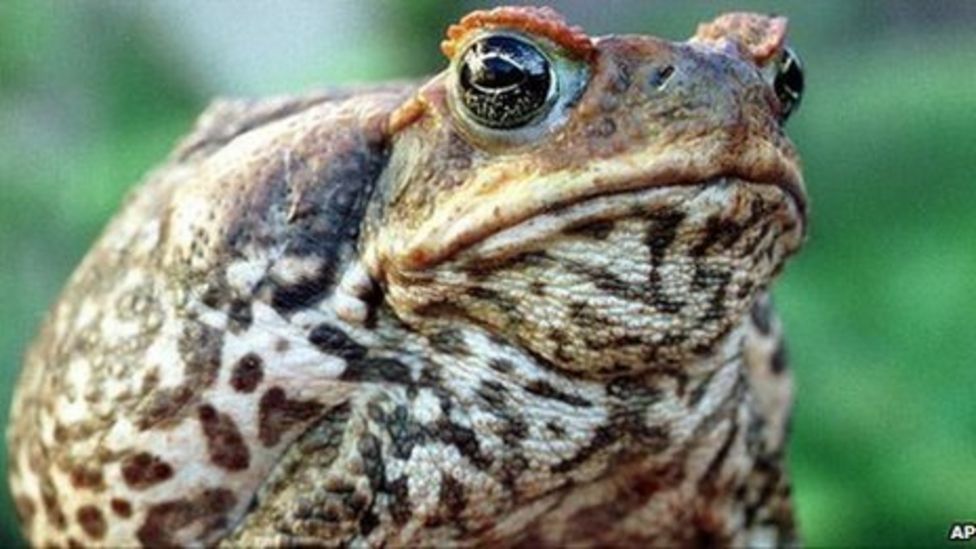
[[52, 508], [121, 507], [240, 316], [224, 441], [603, 437], [247, 374], [163, 405], [282, 345], [555, 429], [60, 433], [377, 370], [92, 521], [368, 522], [400, 508], [25, 509], [85, 478], [545, 389], [36, 458], [710, 530], [450, 340], [142, 470], [165, 519], [635, 488], [537, 288], [501, 365], [277, 414], [200, 347], [75, 544], [452, 498], [465, 440], [151, 380], [724, 232], [707, 484], [334, 341]]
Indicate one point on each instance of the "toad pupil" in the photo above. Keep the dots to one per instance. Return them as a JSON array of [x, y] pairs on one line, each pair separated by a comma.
[[505, 82]]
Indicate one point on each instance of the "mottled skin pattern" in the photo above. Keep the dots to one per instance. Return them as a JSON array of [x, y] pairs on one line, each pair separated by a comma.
[[356, 318]]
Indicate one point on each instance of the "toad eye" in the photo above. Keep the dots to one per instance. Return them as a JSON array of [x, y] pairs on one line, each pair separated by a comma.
[[505, 82], [788, 81]]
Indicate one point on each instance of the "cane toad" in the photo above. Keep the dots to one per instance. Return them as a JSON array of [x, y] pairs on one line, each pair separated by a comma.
[[522, 302]]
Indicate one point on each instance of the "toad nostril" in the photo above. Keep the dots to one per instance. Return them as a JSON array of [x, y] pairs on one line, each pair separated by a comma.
[[660, 76]]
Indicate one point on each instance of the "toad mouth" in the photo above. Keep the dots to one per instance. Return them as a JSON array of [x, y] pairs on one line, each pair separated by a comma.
[[513, 194], [644, 202]]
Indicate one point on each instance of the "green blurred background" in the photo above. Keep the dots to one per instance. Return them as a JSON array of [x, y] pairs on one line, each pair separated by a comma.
[[879, 307]]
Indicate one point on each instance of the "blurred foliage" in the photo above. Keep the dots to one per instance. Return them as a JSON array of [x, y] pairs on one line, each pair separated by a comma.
[[878, 307]]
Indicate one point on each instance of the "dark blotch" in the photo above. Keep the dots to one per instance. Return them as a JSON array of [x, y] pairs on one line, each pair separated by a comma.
[[239, 316], [405, 432], [545, 389], [247, 373], [462, 438], [493, 393], [121, 507], [213, 296], [604, 436], [200, 348], [371, 450], [92, 521], [277, 414], [720, 231], [304, 294], [537, 287], [165, 519], [451, 341], [51, 502], [779, 360], [453, 500], [555, 429], [142, 470], [699, 391], [224, 441], [368, 522], [636, 391], [326, 213], [377, 370], [84, 478], [483, 269], [501, 365], [514, 429], [512, 469], [334, 341], [597, 230], [661, 233], [25, 510], [400, 508], [486, 294], [707, 483], [762, 316]]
